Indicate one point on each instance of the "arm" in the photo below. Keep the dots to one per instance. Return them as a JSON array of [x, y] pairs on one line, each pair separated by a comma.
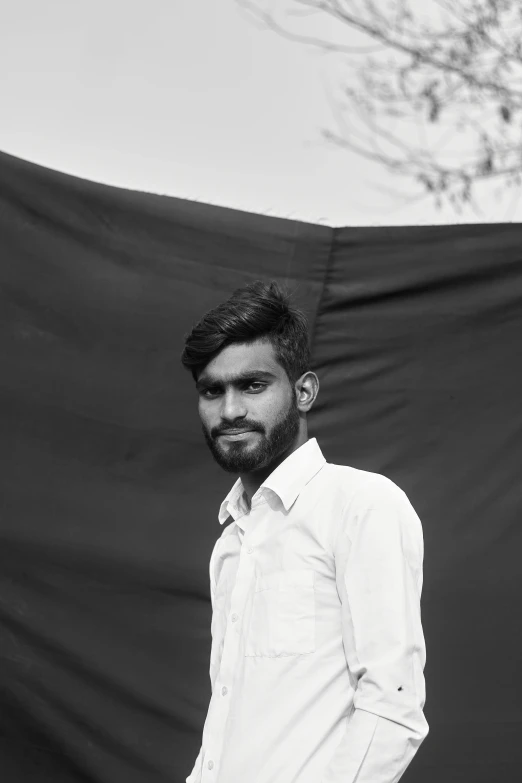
[[196, 770], [379, 554], [214, 665]]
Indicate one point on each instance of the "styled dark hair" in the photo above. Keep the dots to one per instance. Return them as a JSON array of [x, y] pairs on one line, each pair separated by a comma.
[[258, 311]]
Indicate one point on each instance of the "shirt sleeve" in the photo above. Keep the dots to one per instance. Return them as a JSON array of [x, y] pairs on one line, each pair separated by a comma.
[[195, 775], [215, 646], [212, 574], [379, 556]]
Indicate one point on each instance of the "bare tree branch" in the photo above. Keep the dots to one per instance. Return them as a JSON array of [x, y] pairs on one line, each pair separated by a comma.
[[451, 66]]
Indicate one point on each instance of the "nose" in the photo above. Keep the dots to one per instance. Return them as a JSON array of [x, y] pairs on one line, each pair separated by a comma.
[[233, 406]]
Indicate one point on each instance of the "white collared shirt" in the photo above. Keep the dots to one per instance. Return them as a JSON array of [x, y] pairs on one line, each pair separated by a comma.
[[318, 652]]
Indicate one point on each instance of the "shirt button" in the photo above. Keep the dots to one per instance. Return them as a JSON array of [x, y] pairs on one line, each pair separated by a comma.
[[224, 690], [234, 617], [250, 550], [210, 764]]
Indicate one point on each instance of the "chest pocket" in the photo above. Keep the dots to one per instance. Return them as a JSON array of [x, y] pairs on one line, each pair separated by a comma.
[[282, 621]]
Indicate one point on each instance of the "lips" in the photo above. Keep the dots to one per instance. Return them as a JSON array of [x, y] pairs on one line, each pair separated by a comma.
[[235, 432]]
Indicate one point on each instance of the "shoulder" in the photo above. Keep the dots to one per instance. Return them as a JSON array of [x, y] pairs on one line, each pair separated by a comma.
[[378, 514], [372, 501], [362, 488]]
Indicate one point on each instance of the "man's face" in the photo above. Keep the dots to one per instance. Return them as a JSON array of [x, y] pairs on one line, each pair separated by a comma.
[[262, 401]]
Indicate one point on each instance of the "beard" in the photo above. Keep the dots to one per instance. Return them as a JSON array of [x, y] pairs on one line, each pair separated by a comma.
[[259, 451]]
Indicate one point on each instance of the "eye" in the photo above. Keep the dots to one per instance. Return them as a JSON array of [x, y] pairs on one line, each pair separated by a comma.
[[211, 391]]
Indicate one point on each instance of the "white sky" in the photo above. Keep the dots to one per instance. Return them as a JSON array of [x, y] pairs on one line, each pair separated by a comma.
[[189, 98]]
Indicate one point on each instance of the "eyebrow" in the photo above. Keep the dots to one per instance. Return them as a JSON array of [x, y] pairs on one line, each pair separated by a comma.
[[234, 379]]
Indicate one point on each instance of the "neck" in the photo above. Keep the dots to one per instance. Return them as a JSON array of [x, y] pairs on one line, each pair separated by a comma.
[[253, 480]]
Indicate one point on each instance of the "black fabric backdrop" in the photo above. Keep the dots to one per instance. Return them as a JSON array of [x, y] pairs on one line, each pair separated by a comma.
[[109, 496]]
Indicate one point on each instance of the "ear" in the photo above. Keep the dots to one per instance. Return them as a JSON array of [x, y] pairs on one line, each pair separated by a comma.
[[307, 389]]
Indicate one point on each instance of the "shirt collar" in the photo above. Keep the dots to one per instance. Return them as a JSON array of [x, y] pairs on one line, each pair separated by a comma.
[[287, 480]]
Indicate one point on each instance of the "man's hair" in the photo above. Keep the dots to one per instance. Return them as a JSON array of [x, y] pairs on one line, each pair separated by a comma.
[[258, 311]]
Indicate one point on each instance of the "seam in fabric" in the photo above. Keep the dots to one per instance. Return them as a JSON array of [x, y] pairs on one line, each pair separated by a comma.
[[327, 271]]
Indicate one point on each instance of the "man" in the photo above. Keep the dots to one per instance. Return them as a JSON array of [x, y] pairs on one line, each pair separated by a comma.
[[317, 647]]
